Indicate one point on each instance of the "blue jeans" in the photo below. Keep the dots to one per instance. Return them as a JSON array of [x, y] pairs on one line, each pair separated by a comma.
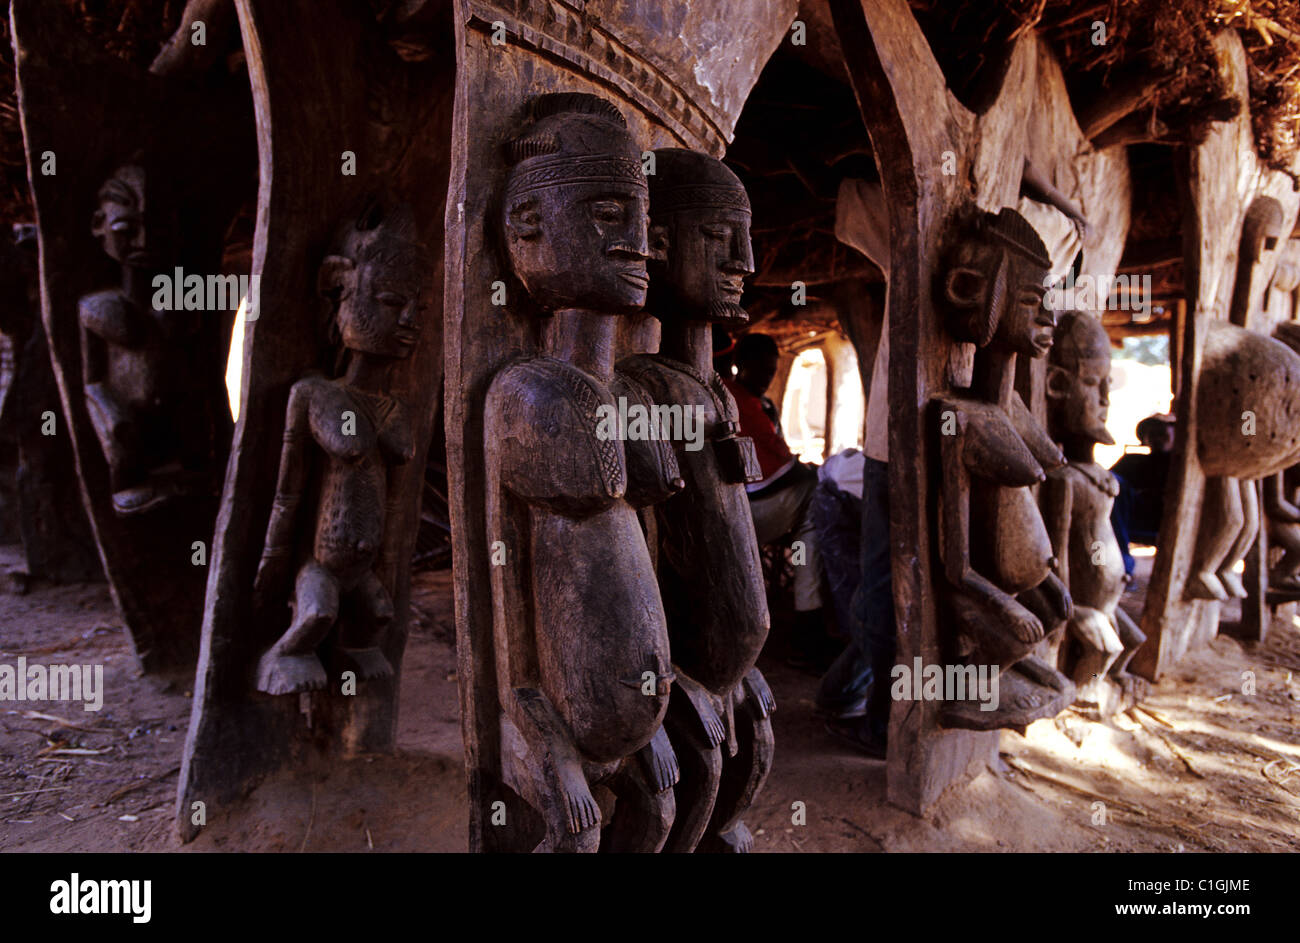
[[1135, 518], [837, 516], [872, 627]]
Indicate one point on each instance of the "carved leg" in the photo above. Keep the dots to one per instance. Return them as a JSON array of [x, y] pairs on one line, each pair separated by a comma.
[[743, 775], [559, 789], [371, 611], [1101, 647], [1249, 529], [1286, 574], [1132, 637], [696, 737], [118, 431], [646, 806], [291, 666], [1222, 518]]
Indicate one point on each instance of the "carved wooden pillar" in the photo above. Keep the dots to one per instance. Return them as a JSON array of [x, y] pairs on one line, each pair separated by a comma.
[[938, 162], [1224, 179], [57, 541], [125, 157], [682, 87], [352, 142]]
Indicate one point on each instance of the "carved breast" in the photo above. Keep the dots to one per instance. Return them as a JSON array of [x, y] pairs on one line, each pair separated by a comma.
[[1247, 403]]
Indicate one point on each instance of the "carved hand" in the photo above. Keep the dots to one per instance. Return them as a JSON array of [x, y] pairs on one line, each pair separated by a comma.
[[272, 571]]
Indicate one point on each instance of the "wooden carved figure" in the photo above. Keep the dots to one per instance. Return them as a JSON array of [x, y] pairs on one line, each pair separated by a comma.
[[1248, 403], [710, 574], [1282, 505], [996, 552], [1077, 500], [344, 437], [143, 385], [581, 644]]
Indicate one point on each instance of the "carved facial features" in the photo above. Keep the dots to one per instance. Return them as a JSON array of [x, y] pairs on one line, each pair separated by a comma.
[[1082, 399], [381, 298], [581, 245], [1027, 322], [119, 222], [702, 257]]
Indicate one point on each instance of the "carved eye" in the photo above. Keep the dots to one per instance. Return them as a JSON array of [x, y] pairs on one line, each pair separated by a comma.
[[391, 299], [122, 225], [721, 233], [607, 211]]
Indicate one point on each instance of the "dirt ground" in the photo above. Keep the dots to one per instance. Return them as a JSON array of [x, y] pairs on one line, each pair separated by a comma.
[[1201, 768]]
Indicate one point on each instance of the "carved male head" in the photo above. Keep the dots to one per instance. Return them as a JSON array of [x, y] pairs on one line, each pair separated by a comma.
[[1078, 379], [119, 220], [995, 288], [700, 251], [376, 282], [574, 210]]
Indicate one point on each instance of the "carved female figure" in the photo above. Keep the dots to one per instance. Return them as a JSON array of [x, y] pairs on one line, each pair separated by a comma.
[[710, 575], [1248, 427], [144, 391], [1077, 500], [344, 438], [996, 552], [583, 668]]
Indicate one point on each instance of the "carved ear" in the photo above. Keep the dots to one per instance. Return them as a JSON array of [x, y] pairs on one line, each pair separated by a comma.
[[977, 298], [97, 223], [964, 286], [523, 221], [336, 276], [1058, 379], [659, 243]]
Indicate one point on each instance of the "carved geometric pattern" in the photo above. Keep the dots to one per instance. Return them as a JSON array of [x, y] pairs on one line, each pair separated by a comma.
[[561, 30], [607, 453]]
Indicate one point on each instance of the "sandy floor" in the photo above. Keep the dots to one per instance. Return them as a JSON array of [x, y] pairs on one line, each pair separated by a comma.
[[1204, 767]]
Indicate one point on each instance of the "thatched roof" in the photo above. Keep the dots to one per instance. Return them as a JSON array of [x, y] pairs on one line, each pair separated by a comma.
[[1158, 50]]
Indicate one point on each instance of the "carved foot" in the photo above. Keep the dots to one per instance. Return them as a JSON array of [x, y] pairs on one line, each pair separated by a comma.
[[1133, 688], [1206, 585], [1283, 582], [289, 674], [1040, 672], [737, 840], [578, 806], [366, 662], [1232, 583], [1021, 701], [138, 500], [659, 762]]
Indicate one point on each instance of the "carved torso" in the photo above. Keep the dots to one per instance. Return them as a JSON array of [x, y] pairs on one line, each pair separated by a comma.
[[709, 566], [598, 624], [144, 357], [1009, 542], [1095, 564], [360, 436]]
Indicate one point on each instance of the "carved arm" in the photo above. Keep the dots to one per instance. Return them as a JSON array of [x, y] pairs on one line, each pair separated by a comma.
[[1276, 504]]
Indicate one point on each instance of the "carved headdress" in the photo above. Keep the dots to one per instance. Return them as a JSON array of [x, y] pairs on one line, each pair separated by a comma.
[[571, 137], [1079, 337], [687, 180]]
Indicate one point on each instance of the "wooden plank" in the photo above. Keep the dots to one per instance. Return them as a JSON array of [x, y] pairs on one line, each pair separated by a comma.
[[92, 115], [319, 92]]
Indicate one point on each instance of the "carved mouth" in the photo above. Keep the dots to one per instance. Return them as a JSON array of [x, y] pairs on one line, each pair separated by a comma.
[[639, 279], [731, 287]]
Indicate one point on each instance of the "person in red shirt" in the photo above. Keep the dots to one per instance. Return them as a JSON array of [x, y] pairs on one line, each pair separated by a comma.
[[780, 502]]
